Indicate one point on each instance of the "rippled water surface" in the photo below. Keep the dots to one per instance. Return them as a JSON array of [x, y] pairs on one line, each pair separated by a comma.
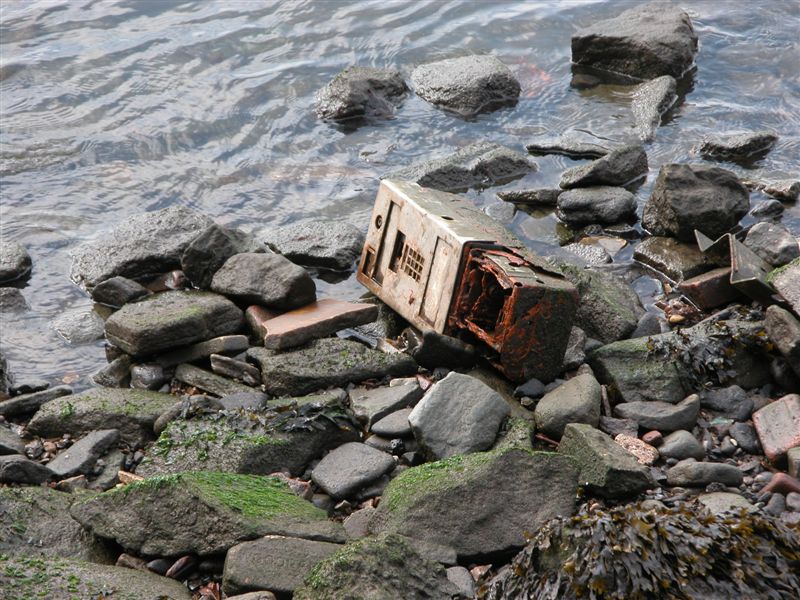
[[110, 109]]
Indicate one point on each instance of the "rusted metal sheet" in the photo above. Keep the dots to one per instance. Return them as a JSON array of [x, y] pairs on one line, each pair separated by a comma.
[[446, 267]]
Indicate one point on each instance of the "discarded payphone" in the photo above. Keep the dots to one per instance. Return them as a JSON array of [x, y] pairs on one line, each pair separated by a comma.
[[444, 265]]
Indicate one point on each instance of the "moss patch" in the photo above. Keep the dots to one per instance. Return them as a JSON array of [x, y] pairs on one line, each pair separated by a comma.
[[780, 270]]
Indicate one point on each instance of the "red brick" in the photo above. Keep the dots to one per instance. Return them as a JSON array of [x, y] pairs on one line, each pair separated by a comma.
[[711, 289], [781, 483], [318, 319], [778, 426]]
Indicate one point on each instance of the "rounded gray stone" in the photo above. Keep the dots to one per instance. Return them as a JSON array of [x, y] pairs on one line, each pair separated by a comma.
[[15, 262], [681, 444], [575, 401], [772, 242], [661, 415], [395, 425], [349, 468], [690, 473], [601, 204], [360, 92]]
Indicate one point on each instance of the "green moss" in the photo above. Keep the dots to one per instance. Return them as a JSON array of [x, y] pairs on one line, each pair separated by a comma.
[[777, 272]]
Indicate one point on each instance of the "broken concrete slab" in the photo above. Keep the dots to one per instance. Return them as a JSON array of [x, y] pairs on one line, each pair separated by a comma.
[[316, 320], [170, 320], [604, 467], [778, 426]]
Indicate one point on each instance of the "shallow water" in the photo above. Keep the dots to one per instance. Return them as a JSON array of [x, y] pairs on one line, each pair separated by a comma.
[[110, 109]]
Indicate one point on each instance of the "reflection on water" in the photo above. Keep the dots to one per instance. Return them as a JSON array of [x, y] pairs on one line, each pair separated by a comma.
[[114, 108]]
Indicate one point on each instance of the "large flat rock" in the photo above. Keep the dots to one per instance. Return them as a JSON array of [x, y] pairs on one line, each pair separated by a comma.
[[170, 320], [142, 246]]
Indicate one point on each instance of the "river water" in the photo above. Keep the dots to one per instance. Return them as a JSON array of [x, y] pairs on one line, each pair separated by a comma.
[[113, 108]]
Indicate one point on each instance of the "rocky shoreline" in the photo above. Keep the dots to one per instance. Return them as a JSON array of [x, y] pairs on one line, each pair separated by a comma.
[[250, 440]]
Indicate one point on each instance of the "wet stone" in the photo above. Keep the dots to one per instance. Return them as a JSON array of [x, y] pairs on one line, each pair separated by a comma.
[[324, 244], [690, 473], [738, 146], [270, 280], [211, 248], [649, 324], [570, 145], [661, 415], [478, 165], [149, 376], [12, 300], [10, 442], [681, 444], [730, 402], [769, 210], [394, 425], [617, 168], [593, 255], [466, 85], [772, 242], [226, 344], [746, 437], [614, 427], [677, 260], [348, 468], [82, 455], [118, 291], [533, 388], [360, 92], [235, 369], [114, 374], [15, 468], [535, 197], [575, 401], [599, 204], [785, 189], [778, 426], [208, 381], [80, 326], [650, 101], [30, 403], [15, 262]]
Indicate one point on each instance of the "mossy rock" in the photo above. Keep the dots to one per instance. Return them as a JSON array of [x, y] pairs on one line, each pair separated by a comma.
[[35, 578], [377, 568], [480, 504], [131, 411], [647, 550], [201, 512], [241, 444], [36, 522]]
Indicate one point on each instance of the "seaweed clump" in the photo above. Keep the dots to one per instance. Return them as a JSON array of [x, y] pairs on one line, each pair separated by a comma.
[[646, 550]]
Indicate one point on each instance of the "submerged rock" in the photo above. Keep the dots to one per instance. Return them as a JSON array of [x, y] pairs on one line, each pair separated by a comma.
[[170, 320], [118, 291], [478, 165], [650, 101], [617, 168], [601, 204], [677, 260], [15, 262], [480, 504], [360, 92], [737, 147], [207, 252], [467, 85], [144, 245], [644, 42], [12, 300], [568, 145], [326, 244], [377, 568], [202, 513], [328, 362], [689, 197], [80, 325]]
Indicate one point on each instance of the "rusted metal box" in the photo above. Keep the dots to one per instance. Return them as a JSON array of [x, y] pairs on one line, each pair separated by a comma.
[[443, 265]]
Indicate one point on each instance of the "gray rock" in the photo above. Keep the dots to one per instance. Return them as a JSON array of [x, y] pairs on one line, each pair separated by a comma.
[[149, 376], [480, 504], [772, 242], [209, 382], [209, 250], [142, 246], [459, 415], [570, 145], [80, 326], [235, 369], [133, 412], [776, 505], [377, 568], [600, 204], [371, 405], [575, 401], [738, 146], [30, 403], [690, 473], [262, 595], [677, 260], [349, 468], [574, 356], [785, 189], [730, 402], [116, 374], [15, 468], [604, 467], [329, 362], [68, 578], [202, 513], [644, 42], [609, 308], [38, 524], [793, 501], [533, 388], [118, 291], [661, 415], [326, 244], [109, 477], [246, 441], [358, 92], [15, 262], [466, 85], [5, 376], [722, 502], [273, 563], [481, 164], [650, 101], [394, 425], [614, 427], [10, 442], [617, 168], [82, 455], [265, 279], [746, 438], [786, 280], [172, 319], [689, 197], [28, 386], [783, 330], [681, 444], [769, 210], [649, 324], [536, 197], [462, 579], [226, 344], [186, 407], [593, 255], [433, 350], [356, 525], [12, 300]]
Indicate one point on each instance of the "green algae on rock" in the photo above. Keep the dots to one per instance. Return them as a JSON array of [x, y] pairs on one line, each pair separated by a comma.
[[201, 512]]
